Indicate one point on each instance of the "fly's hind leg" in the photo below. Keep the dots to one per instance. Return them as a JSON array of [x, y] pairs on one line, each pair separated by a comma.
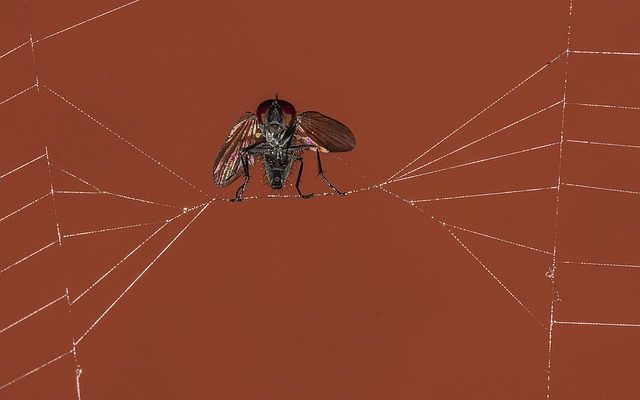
[[321, 173], [304, 196], [245, 167]]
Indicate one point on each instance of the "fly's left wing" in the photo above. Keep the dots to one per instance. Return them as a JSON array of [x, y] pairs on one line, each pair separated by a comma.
[[325, 133], [228, 164]]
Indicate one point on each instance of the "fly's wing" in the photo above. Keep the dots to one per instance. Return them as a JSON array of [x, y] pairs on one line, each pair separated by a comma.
[[325, 133], [228, 164]]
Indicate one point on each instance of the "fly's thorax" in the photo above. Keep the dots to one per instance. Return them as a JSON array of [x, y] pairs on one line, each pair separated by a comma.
[[273, 136], [277, 164], [278, 136]]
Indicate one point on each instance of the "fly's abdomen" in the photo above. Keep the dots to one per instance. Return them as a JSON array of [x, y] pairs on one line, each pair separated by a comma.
[[277, 169]]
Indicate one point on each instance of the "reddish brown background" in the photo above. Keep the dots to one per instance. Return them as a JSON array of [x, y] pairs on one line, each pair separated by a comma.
[[362, 297]]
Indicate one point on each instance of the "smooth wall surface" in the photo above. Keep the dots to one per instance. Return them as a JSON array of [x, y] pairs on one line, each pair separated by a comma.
[[502, 263]]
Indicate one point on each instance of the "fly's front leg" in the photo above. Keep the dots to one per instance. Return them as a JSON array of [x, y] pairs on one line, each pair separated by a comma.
[[321, 173], [244, 157], [304, 196]]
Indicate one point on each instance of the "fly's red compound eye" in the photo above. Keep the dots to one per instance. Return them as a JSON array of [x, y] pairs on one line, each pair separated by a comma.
[[263, 110], [289, 112]]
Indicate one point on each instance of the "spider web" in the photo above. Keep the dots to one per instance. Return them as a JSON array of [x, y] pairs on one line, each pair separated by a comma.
[[159, 220]]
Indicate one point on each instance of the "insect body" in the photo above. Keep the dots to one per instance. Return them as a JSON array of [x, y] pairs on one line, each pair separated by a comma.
[[278, 135]]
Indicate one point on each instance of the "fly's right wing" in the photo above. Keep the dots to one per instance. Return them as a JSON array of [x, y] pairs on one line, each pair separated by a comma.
[[228, 164], [324, 133]]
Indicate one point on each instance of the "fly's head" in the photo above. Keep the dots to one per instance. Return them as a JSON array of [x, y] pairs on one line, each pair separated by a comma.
[[276, 117]]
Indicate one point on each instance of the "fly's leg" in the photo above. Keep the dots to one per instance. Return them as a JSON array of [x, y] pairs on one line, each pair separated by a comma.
[[321, 173], [245, 168], [304, 196]]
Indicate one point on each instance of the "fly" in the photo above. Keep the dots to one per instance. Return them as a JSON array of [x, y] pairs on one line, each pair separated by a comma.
[[278, 135]]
